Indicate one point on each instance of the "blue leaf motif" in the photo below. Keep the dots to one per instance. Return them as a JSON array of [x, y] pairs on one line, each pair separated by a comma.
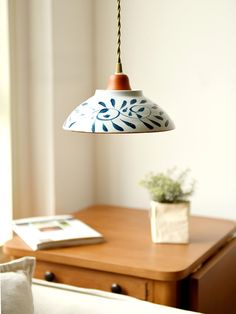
[[131, 125], [117, 127], [113, 102], [141, 109], [105, 129], [125, 110], [71, 124], [149, 126], [93, 127], [102, 104], [156, 123], [143, 101], [167, 123], [159, 117], [107, 115], [133, 101], [130, 113], [84, 104], [124, 104], [139, 116], [103, 110]]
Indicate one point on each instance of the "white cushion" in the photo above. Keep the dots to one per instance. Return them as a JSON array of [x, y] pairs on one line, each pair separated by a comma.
[[15, 285]]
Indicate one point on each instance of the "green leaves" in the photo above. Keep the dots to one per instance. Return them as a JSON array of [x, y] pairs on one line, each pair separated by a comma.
[[169, 187]]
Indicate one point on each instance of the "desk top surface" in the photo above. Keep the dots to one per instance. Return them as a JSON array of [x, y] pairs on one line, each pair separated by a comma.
[[128, 248]]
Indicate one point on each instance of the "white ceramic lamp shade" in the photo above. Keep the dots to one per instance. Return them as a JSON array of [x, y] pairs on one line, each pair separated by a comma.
[[118, 111]]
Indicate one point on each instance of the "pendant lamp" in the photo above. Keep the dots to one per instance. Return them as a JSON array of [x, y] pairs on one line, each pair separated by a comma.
[[118, 109]]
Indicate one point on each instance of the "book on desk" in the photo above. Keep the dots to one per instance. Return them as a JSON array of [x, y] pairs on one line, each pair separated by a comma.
[[55, 231]]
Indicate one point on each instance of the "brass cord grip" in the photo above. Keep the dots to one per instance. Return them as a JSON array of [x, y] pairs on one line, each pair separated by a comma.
[[119, 68]]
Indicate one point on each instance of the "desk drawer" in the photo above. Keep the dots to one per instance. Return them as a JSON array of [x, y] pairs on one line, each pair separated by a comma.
[[128, 285]]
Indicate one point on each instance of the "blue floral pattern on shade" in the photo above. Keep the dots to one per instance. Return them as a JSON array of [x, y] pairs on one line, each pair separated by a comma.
[[121, 115], [118, 113]]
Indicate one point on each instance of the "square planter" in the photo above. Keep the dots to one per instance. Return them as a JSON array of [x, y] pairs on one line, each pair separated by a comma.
[[170, 222]]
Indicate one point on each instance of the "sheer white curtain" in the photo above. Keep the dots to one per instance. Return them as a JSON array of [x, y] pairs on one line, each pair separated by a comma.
[[45, 73], [51, 58], [5, 128]]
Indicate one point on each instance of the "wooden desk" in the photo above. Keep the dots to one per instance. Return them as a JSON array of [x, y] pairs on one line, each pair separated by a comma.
[[128, 262]]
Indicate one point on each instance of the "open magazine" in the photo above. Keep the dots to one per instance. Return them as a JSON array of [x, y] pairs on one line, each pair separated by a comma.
[[55, 231]]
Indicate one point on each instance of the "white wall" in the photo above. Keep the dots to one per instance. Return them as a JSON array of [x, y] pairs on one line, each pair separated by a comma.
[[182, 55]]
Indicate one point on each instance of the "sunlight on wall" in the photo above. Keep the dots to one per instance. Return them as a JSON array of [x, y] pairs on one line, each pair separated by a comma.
[[5, 130], [186, 63]]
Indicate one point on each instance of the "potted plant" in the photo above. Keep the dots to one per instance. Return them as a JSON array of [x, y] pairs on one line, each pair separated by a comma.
[[170, 206]]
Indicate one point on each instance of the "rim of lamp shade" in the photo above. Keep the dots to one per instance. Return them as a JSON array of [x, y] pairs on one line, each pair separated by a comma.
[[118, 111]]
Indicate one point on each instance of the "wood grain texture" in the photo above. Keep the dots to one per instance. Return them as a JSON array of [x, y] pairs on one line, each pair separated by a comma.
[[128, 248], [213, 287], [167, 293], [77, 276]]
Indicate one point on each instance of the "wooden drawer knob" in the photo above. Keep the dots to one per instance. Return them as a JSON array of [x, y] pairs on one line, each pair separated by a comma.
[[49, 276], [115, 288]]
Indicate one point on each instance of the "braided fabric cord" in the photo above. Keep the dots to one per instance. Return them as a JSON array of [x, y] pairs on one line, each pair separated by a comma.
[[118, 33]]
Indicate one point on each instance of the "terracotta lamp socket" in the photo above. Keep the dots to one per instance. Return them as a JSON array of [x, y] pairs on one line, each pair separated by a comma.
[[118, 81]]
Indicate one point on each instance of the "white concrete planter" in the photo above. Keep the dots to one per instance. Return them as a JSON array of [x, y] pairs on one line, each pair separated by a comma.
[[170, 222]]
